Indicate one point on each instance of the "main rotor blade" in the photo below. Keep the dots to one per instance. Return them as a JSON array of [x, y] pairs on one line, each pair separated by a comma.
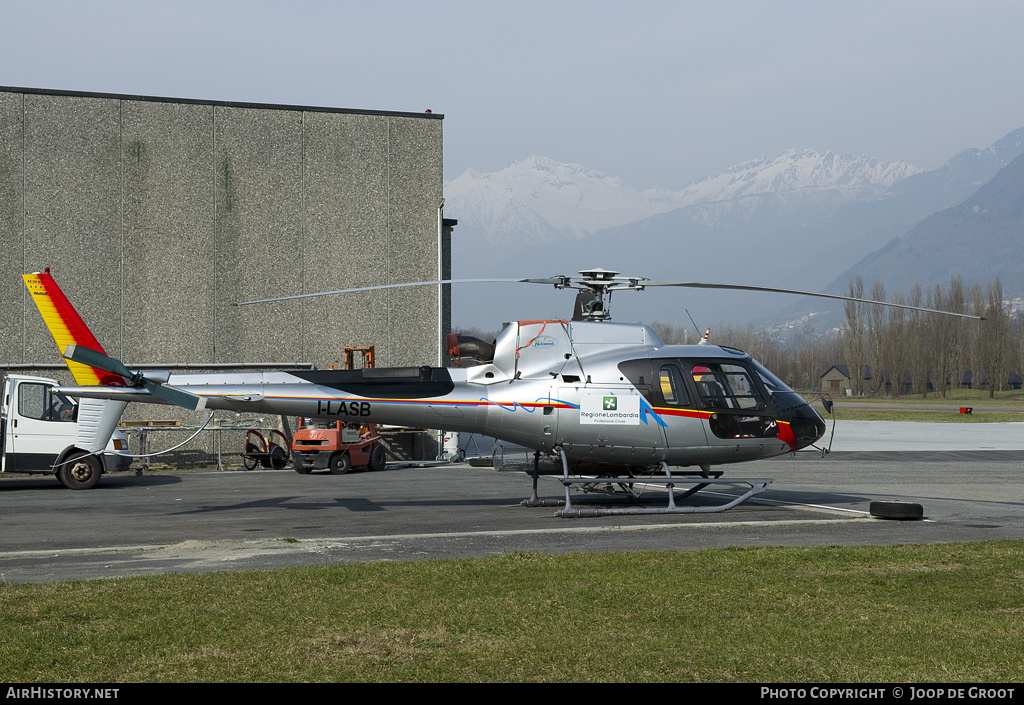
[[384, 286], [563, 281], [742, 287]]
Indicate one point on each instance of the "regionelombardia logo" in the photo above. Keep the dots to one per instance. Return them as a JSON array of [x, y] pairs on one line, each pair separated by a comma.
[[611, 404]]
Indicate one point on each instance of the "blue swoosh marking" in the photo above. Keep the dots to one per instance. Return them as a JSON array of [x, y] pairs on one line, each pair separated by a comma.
[[517, 405]]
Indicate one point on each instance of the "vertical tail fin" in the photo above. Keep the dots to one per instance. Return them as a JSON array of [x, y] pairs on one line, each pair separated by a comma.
[[67, 328]]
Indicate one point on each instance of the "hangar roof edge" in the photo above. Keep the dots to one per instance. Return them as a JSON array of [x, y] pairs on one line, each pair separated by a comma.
[[224, 103]]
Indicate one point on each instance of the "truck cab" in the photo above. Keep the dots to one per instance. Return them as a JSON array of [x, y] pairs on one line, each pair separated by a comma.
[[41, 433]]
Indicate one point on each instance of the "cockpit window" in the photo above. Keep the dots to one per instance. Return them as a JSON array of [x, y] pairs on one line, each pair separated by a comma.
[[672, 389], [739, 409], [724, 386]]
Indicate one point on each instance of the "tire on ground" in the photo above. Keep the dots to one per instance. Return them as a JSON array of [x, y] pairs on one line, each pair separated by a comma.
[[278, 458], [80, 471], [340, 463], [378, 458], [896, 510]]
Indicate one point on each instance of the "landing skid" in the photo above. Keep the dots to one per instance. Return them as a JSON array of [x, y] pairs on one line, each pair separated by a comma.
[[703, 479]]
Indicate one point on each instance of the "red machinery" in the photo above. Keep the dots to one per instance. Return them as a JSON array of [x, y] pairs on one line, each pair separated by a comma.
[[342, 445], [265, 450]]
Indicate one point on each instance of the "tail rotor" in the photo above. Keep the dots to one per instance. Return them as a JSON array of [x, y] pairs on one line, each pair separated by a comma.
[[155, 382]]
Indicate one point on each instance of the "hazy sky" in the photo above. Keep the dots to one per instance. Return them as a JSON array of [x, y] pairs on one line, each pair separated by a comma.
[[657, 93]]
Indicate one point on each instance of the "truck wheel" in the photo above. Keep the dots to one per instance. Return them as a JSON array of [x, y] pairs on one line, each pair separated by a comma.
[[80, 471], [340, 464], [378, 458]]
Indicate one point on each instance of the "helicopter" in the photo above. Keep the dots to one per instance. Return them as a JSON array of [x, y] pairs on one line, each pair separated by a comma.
[[610, 403]]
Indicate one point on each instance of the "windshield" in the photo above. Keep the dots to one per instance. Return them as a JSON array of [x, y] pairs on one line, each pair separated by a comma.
[[784, 397], [773, 383]]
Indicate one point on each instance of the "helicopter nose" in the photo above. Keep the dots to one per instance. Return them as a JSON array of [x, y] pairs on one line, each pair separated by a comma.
[[806, 425]]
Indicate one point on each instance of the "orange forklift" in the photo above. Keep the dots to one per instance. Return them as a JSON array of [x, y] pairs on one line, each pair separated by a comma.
[[342, 445]]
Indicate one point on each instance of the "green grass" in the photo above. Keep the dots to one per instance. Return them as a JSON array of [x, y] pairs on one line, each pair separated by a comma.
[[866, 614], [1007, 407], [854, 413], [953, 398]]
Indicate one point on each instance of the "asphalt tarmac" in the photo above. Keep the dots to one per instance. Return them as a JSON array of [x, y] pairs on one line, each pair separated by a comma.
[[967, 478]]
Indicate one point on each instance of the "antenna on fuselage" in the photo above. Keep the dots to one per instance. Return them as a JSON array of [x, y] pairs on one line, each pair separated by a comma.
[[695, 326]]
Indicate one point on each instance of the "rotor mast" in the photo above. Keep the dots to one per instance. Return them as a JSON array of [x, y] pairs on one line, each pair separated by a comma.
[[599, 284]]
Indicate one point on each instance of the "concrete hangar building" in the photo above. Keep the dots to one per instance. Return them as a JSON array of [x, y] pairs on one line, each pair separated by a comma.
[[156, 215]]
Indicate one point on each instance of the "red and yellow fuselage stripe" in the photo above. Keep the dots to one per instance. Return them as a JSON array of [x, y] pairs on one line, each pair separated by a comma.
[[67, 328], [785, 430]]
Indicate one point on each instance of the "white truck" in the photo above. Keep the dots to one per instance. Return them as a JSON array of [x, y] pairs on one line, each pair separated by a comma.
[[45, 432]]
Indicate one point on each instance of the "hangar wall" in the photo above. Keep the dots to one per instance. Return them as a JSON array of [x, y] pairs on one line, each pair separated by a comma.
[[157, 215]]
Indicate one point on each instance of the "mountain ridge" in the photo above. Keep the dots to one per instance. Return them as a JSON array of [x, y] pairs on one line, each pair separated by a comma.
[[796, 220], [570, 201], [978, 239]]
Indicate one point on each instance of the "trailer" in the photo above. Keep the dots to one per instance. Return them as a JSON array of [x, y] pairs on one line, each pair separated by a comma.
[[43, 432]]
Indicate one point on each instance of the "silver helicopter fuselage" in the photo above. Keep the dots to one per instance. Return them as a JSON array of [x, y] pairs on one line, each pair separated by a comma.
[[602, 392]]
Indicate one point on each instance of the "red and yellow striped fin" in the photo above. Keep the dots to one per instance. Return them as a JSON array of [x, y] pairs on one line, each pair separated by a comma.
[[67, 328]]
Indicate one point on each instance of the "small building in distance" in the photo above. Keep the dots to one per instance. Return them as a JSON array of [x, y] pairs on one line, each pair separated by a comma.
[[837, 382]]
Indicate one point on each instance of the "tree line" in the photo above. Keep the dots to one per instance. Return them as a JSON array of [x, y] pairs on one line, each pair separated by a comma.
[[907, 352], [932, 352]]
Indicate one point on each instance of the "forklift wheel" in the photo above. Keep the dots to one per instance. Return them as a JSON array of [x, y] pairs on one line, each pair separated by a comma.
[[378, 458], [340, 463]]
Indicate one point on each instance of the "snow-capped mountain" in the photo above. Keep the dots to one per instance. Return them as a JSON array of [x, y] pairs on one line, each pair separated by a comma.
[[799, 219], [793, 172], [538, 200], [541, 200]]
